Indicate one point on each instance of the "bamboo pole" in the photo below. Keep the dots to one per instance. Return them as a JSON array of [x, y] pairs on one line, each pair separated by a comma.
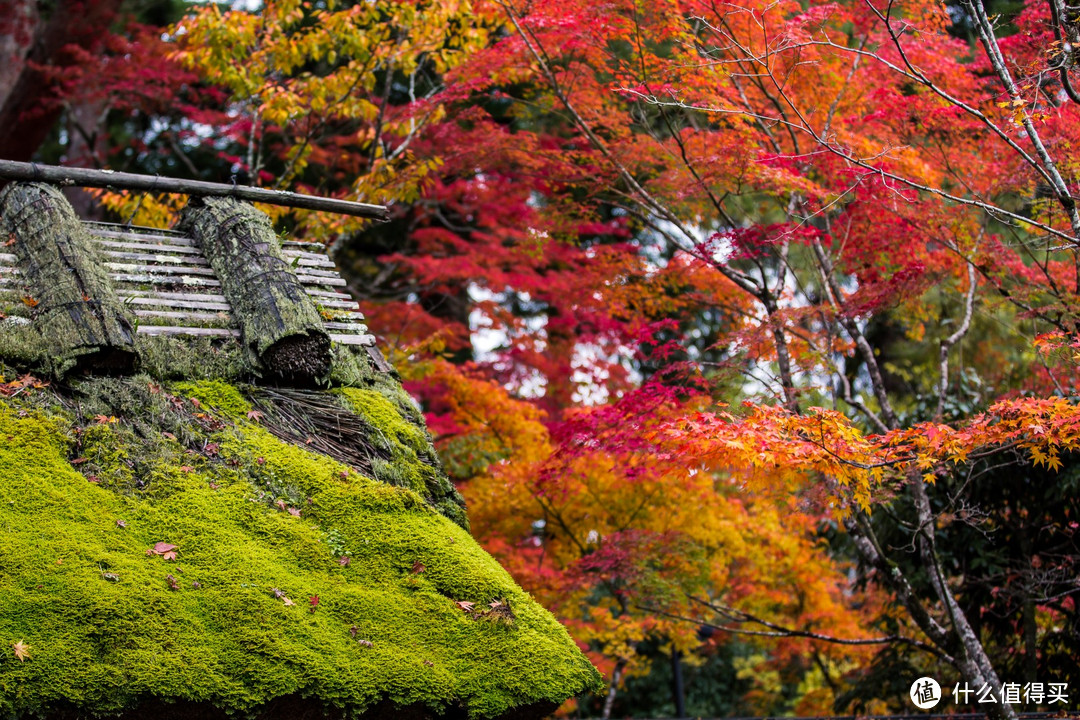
[[75, 308], [281, 329], [83, 177]]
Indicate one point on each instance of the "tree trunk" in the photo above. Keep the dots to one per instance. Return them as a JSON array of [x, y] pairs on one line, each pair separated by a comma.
[[75, 308], [280, 327], [43, 48]]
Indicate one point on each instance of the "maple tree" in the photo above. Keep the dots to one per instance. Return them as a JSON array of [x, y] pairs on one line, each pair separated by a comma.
[[858, 217]]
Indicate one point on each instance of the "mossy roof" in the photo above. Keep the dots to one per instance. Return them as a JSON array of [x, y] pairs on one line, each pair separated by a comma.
[[300, 587]]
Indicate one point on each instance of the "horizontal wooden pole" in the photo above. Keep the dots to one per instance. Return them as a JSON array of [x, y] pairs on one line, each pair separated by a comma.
[[84, 177]]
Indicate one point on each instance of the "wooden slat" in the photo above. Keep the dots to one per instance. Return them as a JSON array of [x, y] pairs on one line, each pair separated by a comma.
[[204, 298], [170, 239], [162, 269], [309, 257], [312, 280], [308, 262], [201, 297], [353, 339], [193, 260], [180, 249], [178, 330], [163, 302], [160, 280], [192, 316], [115, 227], [354, 327]]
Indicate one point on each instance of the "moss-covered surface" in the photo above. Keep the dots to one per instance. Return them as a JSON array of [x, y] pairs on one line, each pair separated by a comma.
[[295, 577]]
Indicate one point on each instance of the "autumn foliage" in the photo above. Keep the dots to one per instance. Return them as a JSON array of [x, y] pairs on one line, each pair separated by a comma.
[[701, 299]]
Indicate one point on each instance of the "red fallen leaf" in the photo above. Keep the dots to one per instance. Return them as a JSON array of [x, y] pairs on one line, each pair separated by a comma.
[[353, 630], [196, 403], [213, 486], [309, 441], [211, 449], [29, 301], [314, 600], [171, 555], [344, 475], [186, 468], [280, 504], [254, 415], [105, 419], [418, 567], [344, 561], [465, 605], [294, 512], [79, 460], [173, 585], [260, 460], [121, 524], [161, 548], [93, 478], [10, 240]]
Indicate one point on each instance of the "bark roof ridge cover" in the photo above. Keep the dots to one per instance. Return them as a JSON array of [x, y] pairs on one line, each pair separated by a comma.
[[223, 274]]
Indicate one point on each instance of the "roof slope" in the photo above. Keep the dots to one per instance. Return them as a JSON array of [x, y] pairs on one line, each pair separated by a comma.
[[183, 542], [297, 582]]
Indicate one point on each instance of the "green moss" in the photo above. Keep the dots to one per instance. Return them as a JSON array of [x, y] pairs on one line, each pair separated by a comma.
[[106, 631], [399, 432], [215, 394]]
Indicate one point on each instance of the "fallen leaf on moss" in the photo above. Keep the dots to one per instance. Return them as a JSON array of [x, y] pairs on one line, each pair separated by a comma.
[[93, 478], [173, 585], [280, 504], [314, 600], [418, 567], [294, 512], [121, 524], [429, 663], [171, 555], [22, 650], [79, 461], [211, 449], [254, 415], [344, 561], [465, 605], [186, 468], [287, 601], [365, 643], [162, 548]]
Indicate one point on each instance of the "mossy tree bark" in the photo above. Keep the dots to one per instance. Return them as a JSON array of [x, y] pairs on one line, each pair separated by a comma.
[[281, 328], [76, 310]]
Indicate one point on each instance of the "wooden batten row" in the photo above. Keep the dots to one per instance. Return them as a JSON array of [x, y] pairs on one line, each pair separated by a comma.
[[150, 267]]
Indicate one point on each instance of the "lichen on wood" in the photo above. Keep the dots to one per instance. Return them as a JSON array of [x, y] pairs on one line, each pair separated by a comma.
[[82, 322], [281, 328]]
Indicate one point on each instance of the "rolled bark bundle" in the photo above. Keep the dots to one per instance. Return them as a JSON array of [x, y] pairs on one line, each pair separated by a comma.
[[280, 327], [75, 308]]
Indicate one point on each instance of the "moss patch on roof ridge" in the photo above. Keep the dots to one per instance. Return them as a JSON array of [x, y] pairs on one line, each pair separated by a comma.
[[294, 576]]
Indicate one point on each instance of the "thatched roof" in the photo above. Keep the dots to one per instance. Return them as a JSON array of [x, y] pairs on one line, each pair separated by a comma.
[[187, 532]]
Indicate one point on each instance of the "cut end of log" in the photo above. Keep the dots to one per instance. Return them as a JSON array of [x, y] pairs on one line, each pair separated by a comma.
[[299, 359], [106, 361]]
